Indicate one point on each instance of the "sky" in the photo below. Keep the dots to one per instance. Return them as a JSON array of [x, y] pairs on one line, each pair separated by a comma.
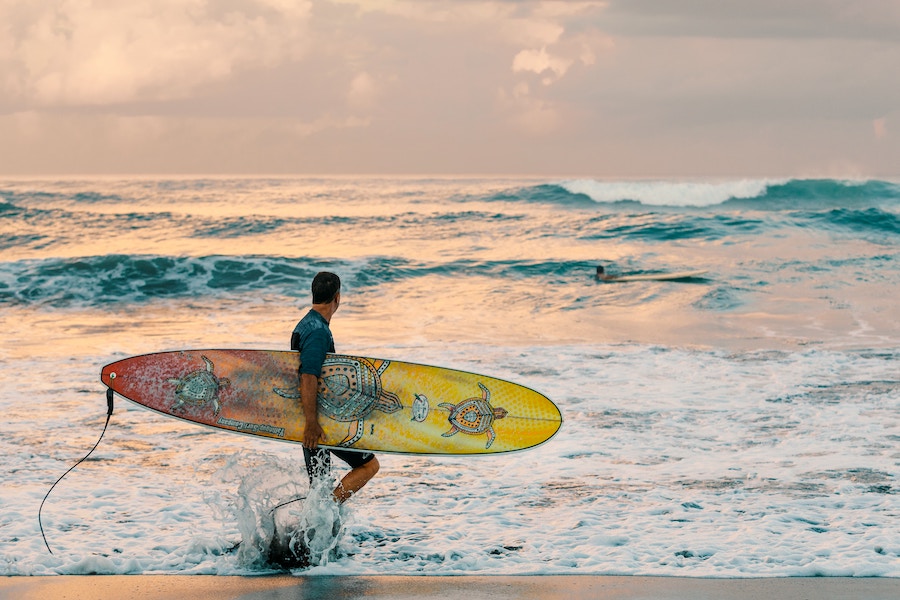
[[611, 89]]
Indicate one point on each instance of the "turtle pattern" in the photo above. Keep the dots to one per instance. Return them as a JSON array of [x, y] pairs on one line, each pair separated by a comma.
[[349, 390], [474, 416], [199, 387]]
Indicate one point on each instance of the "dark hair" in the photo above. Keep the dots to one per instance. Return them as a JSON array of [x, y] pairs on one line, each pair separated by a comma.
[[325, 286], [599, 270]]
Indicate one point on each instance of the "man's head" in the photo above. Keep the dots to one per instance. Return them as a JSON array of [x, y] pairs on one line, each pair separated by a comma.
[[325, 287]]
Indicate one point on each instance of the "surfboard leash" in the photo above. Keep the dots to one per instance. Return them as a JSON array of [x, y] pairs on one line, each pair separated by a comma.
[[277, 506], [109, 412]]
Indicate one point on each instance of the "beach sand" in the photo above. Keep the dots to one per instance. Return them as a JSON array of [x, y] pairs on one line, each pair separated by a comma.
[[568, 587]]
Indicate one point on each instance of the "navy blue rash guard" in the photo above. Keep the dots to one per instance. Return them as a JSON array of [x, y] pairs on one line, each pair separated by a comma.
[[312, 337]]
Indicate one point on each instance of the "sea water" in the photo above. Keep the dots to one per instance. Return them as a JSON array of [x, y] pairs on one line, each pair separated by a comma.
[[743, 423]]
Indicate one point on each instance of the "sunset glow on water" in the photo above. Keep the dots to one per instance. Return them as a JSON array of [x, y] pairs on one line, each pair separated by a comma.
[[742, 423]]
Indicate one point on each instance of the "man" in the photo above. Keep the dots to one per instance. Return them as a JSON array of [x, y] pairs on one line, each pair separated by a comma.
[[312, 338], [602, 275]]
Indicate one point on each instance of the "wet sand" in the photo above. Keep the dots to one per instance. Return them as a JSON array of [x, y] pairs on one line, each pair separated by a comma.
[[568, 587]]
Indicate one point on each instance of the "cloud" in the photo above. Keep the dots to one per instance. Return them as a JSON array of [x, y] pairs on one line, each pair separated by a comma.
[[768, 19], [539, 61], [565, 42], [531, 30], [70, 53], [543, 42], [623, 86]]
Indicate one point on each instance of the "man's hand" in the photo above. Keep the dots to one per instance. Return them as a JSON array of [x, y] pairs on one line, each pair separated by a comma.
[[312, 434], [312, 431]]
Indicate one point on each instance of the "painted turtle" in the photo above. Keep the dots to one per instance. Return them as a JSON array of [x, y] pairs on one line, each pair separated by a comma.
[[474, 416], [349, 390], [199, 387]]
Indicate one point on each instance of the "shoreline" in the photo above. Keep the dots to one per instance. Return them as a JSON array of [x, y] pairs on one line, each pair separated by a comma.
[[499, 587]]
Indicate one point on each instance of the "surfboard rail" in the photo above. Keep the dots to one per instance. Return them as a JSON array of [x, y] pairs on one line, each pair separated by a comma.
[[365, 404]]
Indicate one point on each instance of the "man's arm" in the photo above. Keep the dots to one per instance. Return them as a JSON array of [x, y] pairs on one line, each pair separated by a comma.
[[312, 431]]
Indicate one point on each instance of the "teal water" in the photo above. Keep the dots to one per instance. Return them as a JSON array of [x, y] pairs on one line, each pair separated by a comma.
[[742, 423]]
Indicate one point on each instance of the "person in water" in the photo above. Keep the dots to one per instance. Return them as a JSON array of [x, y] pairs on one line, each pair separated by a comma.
[[312, 338], [603, 276]]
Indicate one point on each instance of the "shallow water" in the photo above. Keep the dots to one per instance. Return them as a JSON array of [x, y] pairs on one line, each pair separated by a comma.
[[740, 424]]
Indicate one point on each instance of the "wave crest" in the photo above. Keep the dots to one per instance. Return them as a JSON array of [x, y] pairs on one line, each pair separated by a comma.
[[133, 278], [758, 194]]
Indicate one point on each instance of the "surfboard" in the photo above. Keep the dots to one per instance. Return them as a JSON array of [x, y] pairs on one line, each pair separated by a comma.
[[366, 404], [658, 276]]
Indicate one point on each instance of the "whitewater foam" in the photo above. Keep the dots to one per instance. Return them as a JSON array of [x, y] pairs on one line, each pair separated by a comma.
[[667, 193], [742, 425]]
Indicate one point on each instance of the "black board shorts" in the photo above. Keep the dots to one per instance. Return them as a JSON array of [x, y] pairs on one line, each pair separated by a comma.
[[318, 461]]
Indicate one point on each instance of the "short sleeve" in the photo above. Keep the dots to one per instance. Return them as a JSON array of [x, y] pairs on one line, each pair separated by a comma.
[[313, 349]]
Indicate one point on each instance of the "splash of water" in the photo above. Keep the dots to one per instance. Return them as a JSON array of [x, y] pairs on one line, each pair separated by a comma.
[[282, 523], [307, 532]]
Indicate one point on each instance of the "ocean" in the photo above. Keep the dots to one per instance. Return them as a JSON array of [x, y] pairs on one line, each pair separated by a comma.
[[742, 423]]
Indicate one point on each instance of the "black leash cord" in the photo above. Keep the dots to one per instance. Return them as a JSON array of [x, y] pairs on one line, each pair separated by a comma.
[[109, 412], [277, 506]]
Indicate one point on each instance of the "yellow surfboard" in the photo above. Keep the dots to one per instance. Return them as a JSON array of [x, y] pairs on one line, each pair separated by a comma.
[[365, 404]]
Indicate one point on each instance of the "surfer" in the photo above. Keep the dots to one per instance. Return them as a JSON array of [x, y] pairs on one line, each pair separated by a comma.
[[312, 338], [602, 275]]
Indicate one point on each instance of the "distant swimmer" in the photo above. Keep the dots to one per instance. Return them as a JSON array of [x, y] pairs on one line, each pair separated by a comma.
[[602, 276]]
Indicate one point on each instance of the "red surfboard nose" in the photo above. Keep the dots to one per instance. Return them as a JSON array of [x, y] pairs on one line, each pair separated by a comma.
[[109, 375]]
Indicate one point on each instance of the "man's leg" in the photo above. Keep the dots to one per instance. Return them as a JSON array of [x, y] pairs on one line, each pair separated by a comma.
[[363, 467], [318, 463], [355, 480]]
